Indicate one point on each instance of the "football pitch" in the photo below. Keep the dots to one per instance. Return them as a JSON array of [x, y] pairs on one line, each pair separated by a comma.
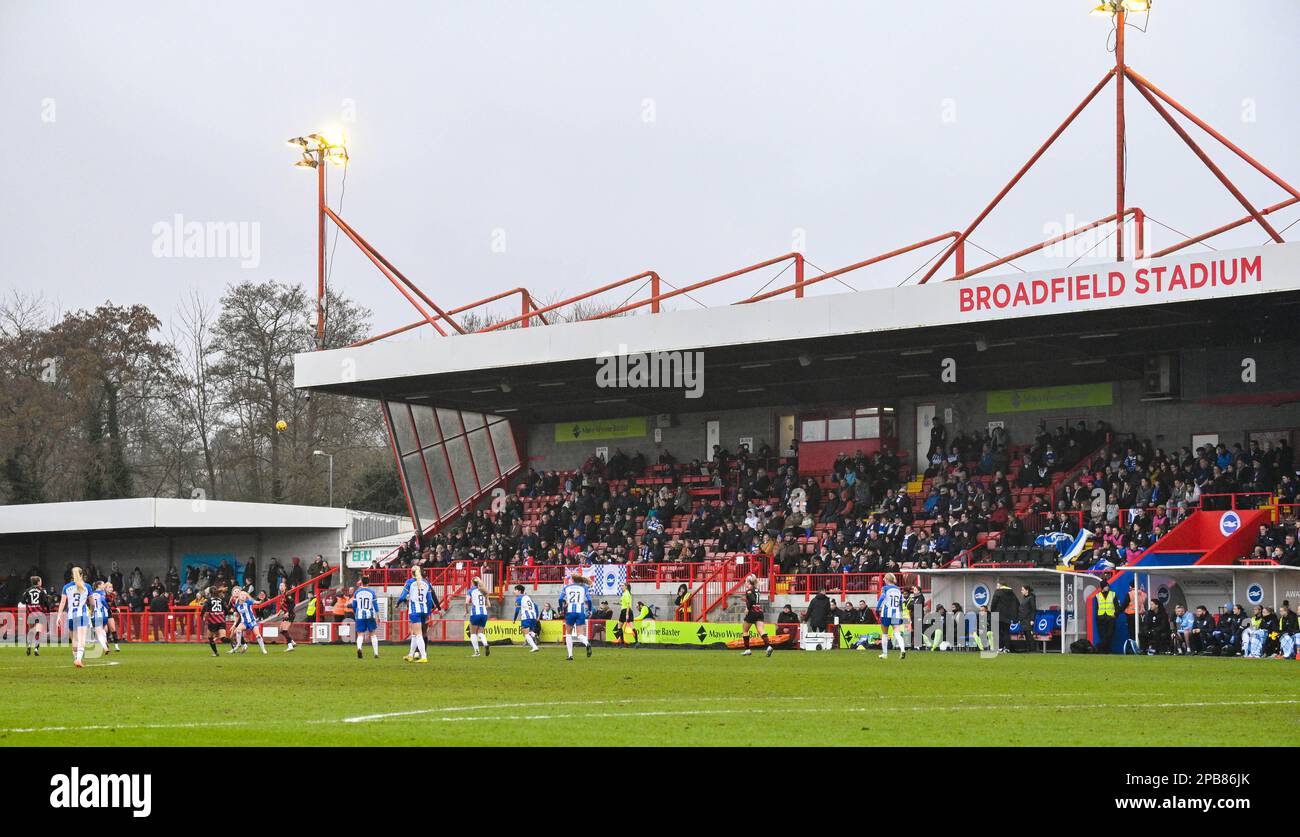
[[162, 695]]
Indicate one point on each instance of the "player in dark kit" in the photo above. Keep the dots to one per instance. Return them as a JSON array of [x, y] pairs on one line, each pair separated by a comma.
[[214, 620], [754, 615], [287, 604], [34, 600]]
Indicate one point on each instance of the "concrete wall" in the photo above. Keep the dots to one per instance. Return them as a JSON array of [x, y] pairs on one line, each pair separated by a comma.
[[154, 553], [685, 439]]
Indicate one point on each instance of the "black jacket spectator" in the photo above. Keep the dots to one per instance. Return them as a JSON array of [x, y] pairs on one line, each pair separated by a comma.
[[818, 613]]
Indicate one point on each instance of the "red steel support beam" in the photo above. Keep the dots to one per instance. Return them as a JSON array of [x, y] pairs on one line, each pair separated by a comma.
[[831, 274], [320, 251], [375, 259], [1016, 179], [376, 255], [1197, 239], [1205, 158], [1142, 82], [526, 303], [1135, 212], [1119, 134], [656, 298], [538, 312]]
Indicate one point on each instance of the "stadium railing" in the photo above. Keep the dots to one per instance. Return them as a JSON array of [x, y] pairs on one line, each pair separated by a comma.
[[647, 572], [1240, 501], [448, 582], [843, 585]]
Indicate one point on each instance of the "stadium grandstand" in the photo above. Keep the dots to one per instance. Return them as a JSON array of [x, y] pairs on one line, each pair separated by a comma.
[[1086, 419]]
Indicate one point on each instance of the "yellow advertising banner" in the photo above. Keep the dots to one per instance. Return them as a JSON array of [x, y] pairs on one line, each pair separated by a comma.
[[649, 632], [1050, 398], [582, 431]]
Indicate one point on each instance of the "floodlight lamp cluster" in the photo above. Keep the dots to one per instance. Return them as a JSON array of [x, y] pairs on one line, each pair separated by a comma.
[[1110, 8], [317, 149]]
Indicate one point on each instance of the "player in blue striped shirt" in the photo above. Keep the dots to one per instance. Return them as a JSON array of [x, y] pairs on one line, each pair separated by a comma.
[[575, 602], [365, 612], [476, 605], [889, 607], [75, 601], [245, 621], [526, 615], [99, 615], [420, 604]]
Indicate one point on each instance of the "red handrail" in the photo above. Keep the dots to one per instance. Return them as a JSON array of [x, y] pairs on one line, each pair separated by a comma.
[[313, 582]]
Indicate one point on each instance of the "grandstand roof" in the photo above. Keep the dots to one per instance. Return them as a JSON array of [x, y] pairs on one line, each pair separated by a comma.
[[163, 513], [1002, 330]]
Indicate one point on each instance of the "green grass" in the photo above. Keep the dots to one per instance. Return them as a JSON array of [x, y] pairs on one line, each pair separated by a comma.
[[180, 695]]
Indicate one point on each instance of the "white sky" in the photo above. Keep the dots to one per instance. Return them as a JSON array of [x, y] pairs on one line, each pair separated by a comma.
[[826, 117]]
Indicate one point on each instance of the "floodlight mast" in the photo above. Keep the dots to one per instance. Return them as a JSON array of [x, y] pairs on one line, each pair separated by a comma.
[[1120, 149], [316, 152]]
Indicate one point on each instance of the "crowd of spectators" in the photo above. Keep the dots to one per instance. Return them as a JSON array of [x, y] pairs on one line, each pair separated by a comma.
[[1133, 497]]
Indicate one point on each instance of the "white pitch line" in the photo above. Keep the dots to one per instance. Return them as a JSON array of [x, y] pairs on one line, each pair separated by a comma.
[[670, 713], [194, 725], [69, 665], [852, 709], [381, 716]]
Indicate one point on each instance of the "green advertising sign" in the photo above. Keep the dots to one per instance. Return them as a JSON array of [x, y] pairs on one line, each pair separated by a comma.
[[692, 633], [582, 431], [1050, 398], [850, 634], [359, 559]]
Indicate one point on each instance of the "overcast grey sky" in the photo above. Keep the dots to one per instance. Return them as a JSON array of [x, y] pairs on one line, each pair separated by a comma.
[[602, 138]]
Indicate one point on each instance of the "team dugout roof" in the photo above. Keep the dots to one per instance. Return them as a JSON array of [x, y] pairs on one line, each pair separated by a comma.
[[152, 513], [1096, 323]]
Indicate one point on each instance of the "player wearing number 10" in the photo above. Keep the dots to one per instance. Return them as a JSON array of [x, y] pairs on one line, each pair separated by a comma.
[[364, 610], [526, 614]]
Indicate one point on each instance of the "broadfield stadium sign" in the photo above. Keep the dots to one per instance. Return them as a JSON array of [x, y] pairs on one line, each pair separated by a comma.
[[1138, 283]]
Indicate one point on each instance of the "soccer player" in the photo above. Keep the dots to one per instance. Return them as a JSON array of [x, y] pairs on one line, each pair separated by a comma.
[[575, 601], [110, 599], [245, 621], [76, 601], [214, 619], [34, 599], [99, 615], [287, 605], [420, 602], [476, 605], [889, 609], [753, 616], [364, 612], [626, 616], [526, 615]]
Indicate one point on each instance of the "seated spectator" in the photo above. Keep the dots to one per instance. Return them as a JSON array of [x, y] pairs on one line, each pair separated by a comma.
[[1181, 633], [1155, 632], [1201, 640]]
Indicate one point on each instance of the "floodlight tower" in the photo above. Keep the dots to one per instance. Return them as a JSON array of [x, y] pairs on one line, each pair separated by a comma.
[[1118, 11], [317, 150]]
